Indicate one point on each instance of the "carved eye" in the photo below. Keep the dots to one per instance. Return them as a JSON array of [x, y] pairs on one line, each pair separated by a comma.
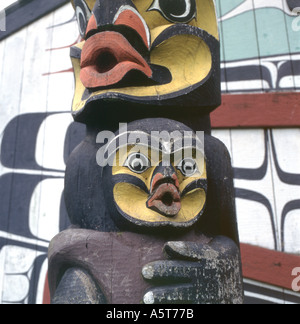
[[182, 11], [188, 167], [137, 163], [83, 15]]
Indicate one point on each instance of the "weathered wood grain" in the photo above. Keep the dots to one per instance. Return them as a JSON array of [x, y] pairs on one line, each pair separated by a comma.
[[22, 13], [116, 264], [11, 77], [33, 97], [61, 84]]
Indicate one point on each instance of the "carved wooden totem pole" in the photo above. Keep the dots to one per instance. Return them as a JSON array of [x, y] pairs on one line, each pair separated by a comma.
[[149, 191]]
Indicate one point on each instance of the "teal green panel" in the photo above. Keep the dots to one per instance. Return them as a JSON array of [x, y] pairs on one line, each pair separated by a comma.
[[260, 33], [239, 37], [293, 35], [226, 6], [271, 32]]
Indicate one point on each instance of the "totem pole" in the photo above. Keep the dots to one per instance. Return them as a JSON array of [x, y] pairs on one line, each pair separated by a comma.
[[149, 191]]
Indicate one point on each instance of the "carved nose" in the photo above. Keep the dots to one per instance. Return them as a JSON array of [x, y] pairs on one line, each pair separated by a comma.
[[164, 174], [165, 200], [164, 194]]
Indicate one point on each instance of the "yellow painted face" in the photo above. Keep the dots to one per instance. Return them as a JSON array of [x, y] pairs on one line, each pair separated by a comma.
[[152, 52], [153, 188]]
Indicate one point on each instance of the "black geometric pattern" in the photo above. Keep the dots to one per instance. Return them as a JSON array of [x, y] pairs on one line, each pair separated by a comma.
[[18, 150], [289, 181]]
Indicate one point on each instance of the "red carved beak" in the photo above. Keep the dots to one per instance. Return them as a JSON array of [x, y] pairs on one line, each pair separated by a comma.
[[165, 197], [107, 57]]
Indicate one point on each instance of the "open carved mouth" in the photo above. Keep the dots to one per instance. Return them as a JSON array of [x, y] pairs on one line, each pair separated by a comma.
[[107, 57], [165, 200]]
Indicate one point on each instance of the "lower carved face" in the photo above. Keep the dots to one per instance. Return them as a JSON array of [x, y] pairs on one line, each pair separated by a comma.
[[158, 188]]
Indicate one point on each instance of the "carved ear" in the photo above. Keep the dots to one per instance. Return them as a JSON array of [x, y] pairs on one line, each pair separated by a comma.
[[83, 15]]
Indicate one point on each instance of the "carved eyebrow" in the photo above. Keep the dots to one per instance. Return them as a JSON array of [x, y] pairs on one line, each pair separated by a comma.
[[120, 178], [146, 29], [155, 142], [199, 183]]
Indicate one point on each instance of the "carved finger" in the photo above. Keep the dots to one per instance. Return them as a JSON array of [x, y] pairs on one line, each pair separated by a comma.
[[168, 271], [183, 250], [190, 251], [218, 248], [179, 294]]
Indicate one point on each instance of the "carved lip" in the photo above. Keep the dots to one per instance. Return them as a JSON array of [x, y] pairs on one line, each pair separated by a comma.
[[107, 57], [165, 200]]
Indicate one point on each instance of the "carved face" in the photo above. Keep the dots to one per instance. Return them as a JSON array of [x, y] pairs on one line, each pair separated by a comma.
[[153, 52], [156, 182]]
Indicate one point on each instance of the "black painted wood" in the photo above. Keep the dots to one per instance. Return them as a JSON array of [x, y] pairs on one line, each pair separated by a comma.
[[293, 4], [25, 12]]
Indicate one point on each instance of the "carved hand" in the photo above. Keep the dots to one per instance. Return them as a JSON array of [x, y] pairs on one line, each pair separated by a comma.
[[195, 273]]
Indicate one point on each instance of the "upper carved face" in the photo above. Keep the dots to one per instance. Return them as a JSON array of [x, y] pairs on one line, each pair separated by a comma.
[[154, 52]]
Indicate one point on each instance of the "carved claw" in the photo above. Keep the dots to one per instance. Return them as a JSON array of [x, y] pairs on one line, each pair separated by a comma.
[[195, 273]]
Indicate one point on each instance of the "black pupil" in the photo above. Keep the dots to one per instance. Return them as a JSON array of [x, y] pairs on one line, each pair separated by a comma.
[[174, 7], [137, 163], [189, 167]]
